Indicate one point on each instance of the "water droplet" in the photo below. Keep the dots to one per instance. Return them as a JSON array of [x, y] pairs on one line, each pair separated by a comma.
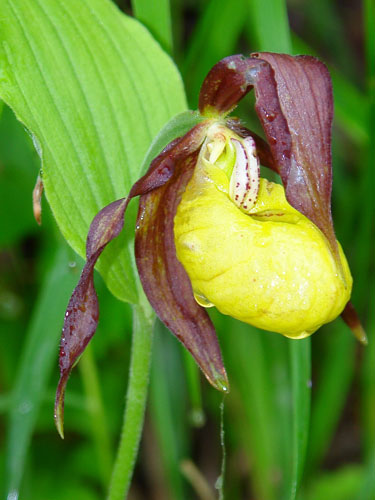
[[270, 116], [202, 300]]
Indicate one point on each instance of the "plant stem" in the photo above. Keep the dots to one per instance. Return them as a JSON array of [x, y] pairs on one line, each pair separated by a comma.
[[139, 374], [300, 358], [95, 408]]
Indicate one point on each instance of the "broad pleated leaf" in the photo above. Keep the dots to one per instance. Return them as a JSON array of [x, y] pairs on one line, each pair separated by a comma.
[[93, 88]]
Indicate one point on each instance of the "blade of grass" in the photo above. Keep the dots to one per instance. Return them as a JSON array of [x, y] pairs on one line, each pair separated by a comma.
[[136, 396], [37, 359], [156, 16], [276, 349], [269, 22], [367, 491], [351, 105], [336, 370], [215, 36], [95, 409], [368, 368], [167, 408], [250, 376], [192, 372]]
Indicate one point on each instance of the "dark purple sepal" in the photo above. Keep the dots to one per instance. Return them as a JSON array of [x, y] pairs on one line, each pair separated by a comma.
[[163, 166], [82, 314], [295, 106], [164, 280], [226, 84], [351, 318]]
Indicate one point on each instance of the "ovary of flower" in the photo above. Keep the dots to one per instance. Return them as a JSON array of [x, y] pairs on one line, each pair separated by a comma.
[[272, 267]]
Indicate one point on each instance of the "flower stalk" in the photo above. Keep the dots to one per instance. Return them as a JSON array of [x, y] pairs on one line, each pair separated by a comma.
[[136, 397]]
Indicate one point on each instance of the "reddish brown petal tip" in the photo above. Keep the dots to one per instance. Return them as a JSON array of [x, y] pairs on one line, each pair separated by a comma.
[[350, 316], [59, 405], [225, 85], [82, 313]]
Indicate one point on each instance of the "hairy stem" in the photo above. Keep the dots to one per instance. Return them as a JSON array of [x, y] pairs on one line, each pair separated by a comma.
[[139, 374]]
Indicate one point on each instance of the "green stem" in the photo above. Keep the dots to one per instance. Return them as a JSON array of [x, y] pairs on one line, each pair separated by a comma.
[[139, 374], [300, 357], [95, 408]]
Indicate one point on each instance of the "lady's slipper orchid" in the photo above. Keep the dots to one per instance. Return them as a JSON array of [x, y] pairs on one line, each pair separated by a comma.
[[211, 232]]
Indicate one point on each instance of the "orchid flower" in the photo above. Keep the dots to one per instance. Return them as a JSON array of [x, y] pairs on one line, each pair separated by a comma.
[[211, 232]]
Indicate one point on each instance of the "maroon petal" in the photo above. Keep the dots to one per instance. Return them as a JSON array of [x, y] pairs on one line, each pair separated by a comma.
[[350, 316], [165, 281], [225, 85], [82, 313], [81, 317], [163, 166], [301, 142]]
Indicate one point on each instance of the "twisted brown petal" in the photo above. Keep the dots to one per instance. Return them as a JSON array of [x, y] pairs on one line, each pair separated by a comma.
[[81, 317], [82, 313], [301, 142], [164, 279]]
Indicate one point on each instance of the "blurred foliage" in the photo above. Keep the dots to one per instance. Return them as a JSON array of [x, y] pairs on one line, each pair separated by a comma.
[[38, 272]]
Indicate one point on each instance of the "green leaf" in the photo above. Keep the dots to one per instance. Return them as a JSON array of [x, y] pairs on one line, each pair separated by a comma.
[[93, 88], [269, 23], [215, 37]]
